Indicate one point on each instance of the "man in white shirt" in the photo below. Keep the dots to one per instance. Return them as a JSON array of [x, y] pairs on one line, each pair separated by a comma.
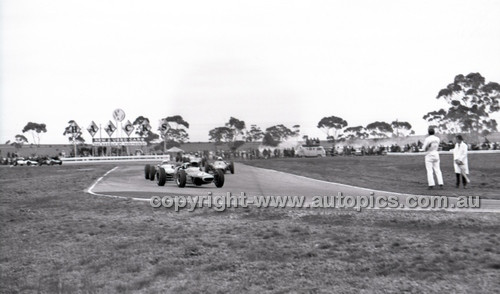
[[460, 162], [432, 161]]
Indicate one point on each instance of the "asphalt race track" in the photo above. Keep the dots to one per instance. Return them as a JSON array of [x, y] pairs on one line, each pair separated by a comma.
[[129, 181]]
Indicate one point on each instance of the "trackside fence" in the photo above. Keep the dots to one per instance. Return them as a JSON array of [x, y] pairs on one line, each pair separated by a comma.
[[68, 160]]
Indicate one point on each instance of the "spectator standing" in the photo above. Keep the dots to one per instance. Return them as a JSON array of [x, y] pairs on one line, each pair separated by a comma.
[[432, 160], [460, 161]]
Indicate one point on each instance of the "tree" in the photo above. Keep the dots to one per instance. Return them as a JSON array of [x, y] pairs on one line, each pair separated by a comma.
[[220, 134], [35, 129], [332, 126], [233, 133], [471, 102], [402, 128], [20, 140], [379, 129], [237, 127], [279, 133], [254, 134], [268, 140], [296, 131], [173, 129], [358, 132], [177, 131]]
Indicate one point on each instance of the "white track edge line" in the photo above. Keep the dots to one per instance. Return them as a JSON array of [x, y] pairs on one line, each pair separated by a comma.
[[89, 190]]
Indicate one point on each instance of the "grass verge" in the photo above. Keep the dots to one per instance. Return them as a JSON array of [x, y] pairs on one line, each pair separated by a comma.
[[402, 174]]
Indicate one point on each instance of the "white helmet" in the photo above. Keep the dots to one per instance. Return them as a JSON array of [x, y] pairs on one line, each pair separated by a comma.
[[219, 158]]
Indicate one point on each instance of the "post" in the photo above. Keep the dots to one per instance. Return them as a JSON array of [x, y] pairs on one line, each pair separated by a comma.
[[74, 139]]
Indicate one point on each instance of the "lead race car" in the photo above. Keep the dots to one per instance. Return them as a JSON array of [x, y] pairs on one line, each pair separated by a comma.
[[162, 172], [220, 164], [191, 173]]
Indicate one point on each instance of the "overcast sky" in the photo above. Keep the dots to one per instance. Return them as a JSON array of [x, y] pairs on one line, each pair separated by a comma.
[[264, 62]]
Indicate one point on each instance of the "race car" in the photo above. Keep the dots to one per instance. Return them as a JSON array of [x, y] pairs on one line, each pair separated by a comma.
[[191, 173], [50, 161], [165, 168], [22, 161], [220, 164]]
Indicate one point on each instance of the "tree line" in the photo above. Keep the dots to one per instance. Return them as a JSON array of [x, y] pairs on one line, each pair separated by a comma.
[[471, 103]]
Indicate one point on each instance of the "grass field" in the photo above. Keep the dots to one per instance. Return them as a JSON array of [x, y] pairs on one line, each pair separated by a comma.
[[57, 239], [403, 174]]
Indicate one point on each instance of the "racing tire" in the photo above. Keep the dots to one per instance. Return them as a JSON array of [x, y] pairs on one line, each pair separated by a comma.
[[152, 173], [181, 179], [146, 172], [219, 178], [28, 163], [161, 177], [231, 167], [15, 163], [60, 163]]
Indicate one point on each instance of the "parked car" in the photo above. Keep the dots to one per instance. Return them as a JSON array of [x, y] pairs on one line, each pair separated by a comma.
[[310, 151]]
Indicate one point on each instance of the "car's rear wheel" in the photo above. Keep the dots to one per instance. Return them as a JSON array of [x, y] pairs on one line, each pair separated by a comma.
[[231, 167], [28, 163], [146, 172], [152, 172], [219, 178], [181, 179], [161, 177]]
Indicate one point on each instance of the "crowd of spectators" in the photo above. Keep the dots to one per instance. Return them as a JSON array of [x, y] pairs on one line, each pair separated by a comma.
[[272, 152]]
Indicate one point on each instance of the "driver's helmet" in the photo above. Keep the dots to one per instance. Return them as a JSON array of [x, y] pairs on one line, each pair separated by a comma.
[[196, 154], [219, 158]]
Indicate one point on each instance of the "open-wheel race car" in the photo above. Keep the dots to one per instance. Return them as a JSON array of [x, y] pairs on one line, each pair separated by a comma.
[[191, 173], [22, 161], [162, 172], [50, 161], [220, 164]]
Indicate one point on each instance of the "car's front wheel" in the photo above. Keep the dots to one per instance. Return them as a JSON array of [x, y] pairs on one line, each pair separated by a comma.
[[161, 177], [219, 178], [181, 179]]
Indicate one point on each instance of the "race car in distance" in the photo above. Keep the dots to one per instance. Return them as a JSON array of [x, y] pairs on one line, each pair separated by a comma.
[[220, 164], [161, 172], [191, 173], [50, 161], [22, 161]]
